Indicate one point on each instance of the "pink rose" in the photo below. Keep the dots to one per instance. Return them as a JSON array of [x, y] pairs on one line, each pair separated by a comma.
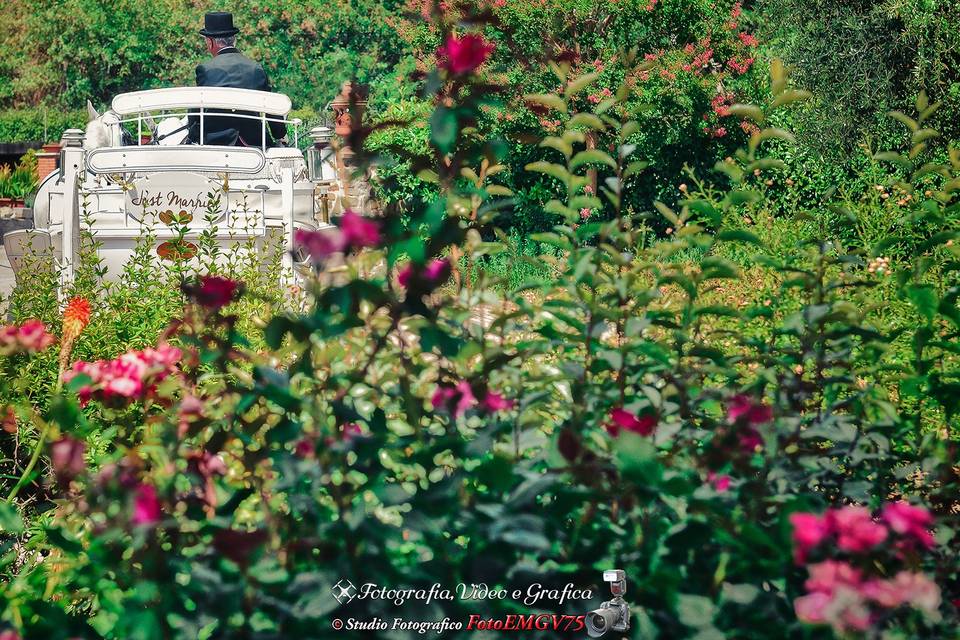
[[720, 483], [146, 506], [30, 337], [358, 231], [66, 457], [856, 530], [463, 55], [910, 521], [918, 590], [743, 407], [883, 592], [809, 531], [829, 575], [620, 419], [812, 608]]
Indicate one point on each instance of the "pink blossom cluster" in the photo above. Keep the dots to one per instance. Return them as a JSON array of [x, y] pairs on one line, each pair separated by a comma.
[[748, 413], [740, 66], [355, 232], [852, 597], [596, 98], [748, 39], [127, 377], [457, 399], [30, 337]]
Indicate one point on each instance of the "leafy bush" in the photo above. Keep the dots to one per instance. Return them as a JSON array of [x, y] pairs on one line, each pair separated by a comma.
[[739, 428]]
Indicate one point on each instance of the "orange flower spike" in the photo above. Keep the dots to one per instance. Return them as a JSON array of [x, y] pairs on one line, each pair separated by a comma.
[[76, 317]]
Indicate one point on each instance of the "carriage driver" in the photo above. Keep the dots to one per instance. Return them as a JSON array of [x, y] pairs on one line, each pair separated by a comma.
[[230, 68]]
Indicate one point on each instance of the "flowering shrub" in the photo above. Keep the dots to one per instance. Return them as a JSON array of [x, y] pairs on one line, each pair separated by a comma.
[[857, 597], [780, 468]]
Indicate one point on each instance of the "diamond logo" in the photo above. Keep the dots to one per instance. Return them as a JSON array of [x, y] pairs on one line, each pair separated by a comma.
[[344, 592]]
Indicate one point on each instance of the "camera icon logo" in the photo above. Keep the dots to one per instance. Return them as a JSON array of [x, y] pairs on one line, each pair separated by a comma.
[[344, 592], [613, 615]]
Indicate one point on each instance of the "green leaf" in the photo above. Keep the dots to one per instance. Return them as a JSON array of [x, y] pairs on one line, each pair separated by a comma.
[[634, 168], [550, 100], [905, 119], [579, 84], [551, 169], [443, 129], [924, 298], [561, 145], [748, 111], [667, 212], [789, 97], [592, 156], [10, 521], [695, 611], [587, 120], [739, 235]]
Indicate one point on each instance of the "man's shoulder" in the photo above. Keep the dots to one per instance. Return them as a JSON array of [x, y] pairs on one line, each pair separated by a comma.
[[232, 59]]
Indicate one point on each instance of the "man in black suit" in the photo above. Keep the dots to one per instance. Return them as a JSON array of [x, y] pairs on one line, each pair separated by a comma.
[[230, 68]]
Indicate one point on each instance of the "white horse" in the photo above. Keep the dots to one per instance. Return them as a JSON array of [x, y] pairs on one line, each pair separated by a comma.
[[105, 130]]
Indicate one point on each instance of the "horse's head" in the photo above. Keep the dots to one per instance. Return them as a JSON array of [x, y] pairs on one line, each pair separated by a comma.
[[104, 130]]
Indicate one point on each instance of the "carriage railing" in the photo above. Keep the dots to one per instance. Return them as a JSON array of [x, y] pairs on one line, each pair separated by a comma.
[[263, 118]]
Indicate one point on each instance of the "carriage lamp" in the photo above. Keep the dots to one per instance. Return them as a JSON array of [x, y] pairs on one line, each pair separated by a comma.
[[319, 154]]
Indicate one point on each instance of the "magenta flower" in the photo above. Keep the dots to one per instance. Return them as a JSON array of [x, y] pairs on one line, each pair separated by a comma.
[[146, 506], [750, 439], [358, 231], [319, 245], [66, 458], [304, 448], [437, 271], [455, 399], [405, 275], [215, 292], [620, 419], [464, 55], [743, 407], [720, 483], [494, 402], [29, 337], [910, 521], [855, 528], [809, 531], [431, 275]]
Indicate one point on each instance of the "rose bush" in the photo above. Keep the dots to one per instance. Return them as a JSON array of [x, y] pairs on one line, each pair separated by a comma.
[[777, 466]]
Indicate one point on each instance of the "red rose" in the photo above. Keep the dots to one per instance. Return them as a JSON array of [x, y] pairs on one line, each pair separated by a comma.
[[624, 420], [215, 292]]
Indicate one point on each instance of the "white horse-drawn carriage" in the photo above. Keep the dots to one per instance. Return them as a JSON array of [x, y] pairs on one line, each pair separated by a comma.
[[123, 188]]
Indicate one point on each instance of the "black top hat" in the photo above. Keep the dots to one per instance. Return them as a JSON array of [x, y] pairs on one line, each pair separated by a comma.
[[218, 24]]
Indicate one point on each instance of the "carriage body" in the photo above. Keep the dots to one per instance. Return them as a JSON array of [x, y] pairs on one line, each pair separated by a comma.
[[242, 199]]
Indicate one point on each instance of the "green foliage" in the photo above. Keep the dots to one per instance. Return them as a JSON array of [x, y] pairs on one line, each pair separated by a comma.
[[661, 405]]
